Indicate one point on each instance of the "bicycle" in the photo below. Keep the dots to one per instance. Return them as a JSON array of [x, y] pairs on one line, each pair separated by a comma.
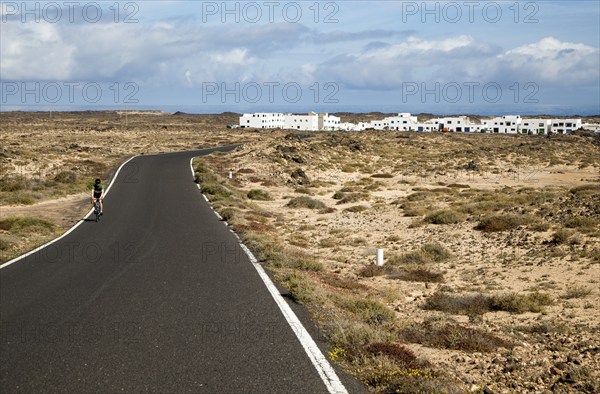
[[97, 209]]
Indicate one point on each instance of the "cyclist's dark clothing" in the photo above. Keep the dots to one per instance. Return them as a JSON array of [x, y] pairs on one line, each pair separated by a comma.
[[98, 190]]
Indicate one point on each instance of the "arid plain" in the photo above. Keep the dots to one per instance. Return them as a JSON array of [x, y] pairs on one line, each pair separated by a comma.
[[491, 242]]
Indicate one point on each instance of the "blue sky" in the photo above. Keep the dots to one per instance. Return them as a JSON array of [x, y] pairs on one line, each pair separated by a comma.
[[487, 57]]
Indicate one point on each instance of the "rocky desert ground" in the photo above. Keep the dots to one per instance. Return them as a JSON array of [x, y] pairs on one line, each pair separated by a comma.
[[491, 243]]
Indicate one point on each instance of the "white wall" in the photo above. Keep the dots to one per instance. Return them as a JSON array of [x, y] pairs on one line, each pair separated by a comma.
[[535, 126], [457, 123], [504, 125], [302, 122], [262, 120], [565, 126]]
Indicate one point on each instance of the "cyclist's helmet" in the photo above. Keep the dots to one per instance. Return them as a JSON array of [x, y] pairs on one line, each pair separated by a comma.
[[97, 181]]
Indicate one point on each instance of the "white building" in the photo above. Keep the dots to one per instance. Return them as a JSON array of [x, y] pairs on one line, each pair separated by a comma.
[[565, 126], [595, 127], [508, 124], [262, 120], [308, 122], [329, 122], [403, 122], [535, 126], [458, 123]]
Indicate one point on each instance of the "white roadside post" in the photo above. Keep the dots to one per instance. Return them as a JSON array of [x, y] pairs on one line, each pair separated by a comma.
[[230, 174], [379, 259]]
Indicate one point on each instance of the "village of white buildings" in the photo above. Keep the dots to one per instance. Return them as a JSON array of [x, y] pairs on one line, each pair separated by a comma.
[[509, 124]]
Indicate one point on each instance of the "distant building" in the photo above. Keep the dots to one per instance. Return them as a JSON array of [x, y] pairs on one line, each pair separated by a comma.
[[535, 126], [508, 124], [309, 122], [565, 126], [595, 127], [329, 122], [457, 124], [262, 120], [403, 122]]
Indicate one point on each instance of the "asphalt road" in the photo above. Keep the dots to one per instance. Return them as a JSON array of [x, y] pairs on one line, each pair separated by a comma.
[[156, 297]]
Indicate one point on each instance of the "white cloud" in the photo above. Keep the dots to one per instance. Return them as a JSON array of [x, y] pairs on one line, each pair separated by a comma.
[[35, 51], [551, 60], [462, 59], [415, 59], [236, 56]]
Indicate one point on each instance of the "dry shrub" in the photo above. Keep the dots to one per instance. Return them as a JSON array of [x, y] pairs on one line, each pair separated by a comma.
[[496, 223], [429, 253], [561, 236], [582, 222], [372, 270], [342, 282], [327, 210], [479, 304], [589, 188], [403, 356], [462, 304], [306, 202], [446, 216], [356, 208], [576, 292], [453, 336], [419, 275], [367, 310], [260, 195], [382, 176], [66, 177], [520, 303], [26, 225], [350, 197]]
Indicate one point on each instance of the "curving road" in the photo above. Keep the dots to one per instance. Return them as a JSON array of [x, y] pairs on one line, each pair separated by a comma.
[[156, 297]]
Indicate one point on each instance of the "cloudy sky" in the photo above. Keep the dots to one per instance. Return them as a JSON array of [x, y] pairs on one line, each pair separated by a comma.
[[395, 56]]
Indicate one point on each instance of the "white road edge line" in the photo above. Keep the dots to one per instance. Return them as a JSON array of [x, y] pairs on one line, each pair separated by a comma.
[[326, 372], [21, 257]]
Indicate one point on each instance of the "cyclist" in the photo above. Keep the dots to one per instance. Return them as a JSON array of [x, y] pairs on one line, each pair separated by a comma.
[[98, 193]]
